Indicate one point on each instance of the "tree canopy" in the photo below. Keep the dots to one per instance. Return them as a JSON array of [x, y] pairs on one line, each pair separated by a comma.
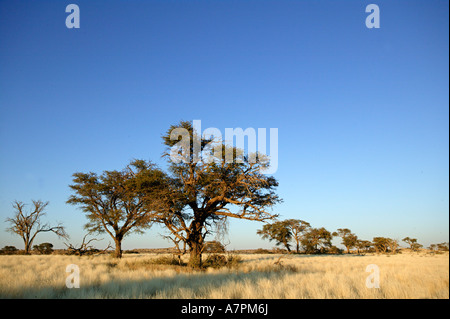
[[119, 202]]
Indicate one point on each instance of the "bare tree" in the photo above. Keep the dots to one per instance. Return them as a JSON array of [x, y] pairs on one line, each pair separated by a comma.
[[85, 248], [28, 225]]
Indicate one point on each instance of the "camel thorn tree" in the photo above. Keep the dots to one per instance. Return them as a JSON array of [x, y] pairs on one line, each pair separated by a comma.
[[118, 202], [204, 191]]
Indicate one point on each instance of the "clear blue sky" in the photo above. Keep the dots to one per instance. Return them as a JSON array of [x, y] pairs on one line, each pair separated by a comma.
[[362, 114]]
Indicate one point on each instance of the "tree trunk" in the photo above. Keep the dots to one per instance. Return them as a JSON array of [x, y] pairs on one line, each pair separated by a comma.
[[195, 243], [27, 248], [288, 248], [195, 258], [118, 251]]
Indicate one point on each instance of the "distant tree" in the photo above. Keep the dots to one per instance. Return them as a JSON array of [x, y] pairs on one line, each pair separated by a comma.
[[317, 240], [349, 240], [44, 248], [442, 246], [298, 228], [28, 225], [8, 250], [412, 242], [279, 231], [393, 245], [432, 247], [119, 202], [381, 244], [363, 245]]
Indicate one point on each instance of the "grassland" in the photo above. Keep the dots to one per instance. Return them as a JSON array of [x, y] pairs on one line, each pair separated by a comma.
[[255, 276]]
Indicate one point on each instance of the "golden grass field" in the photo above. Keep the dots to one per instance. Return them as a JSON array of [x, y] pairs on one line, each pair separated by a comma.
[[256, 276]]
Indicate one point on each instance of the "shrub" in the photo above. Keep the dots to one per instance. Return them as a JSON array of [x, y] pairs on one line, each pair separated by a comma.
[[9, 250], [262, 251], [167, 260], [219, 261], [131, 251], [214, 247], [44, 248]]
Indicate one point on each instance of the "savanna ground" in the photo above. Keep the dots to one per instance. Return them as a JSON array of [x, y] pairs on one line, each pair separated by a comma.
[[416, 275]]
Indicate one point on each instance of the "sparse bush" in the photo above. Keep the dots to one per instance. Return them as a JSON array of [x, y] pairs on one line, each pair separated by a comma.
[[9, 250], [214, 247], [44, 248], [219, 261], [168, 260], [335, 250], [131, 252], [262, 251], [215, 261]]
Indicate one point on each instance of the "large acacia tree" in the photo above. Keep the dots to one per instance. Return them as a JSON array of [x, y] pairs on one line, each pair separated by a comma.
[[119, 202], [206, 188]]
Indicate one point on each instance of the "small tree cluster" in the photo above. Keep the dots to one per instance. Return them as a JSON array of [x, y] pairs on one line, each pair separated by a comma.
[[318, 240], [311, 240], [439, 247]]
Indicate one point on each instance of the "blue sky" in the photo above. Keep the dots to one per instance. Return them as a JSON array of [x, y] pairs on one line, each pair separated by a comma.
[[362, 114]]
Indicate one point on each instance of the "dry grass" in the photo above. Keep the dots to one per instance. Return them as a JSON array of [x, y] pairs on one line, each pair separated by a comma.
[[256, 276]]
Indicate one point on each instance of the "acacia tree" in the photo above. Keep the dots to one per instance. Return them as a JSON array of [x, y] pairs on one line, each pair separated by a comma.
[[317, 240], [204, 191], [298, 229], [349, 240], [363, 245], [278, 231], [381, 244], [393, 245], [283, 232], [28, 225], [413, 244], [119, 202]]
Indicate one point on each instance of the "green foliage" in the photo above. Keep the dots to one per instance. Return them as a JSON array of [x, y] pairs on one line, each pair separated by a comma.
[[119, 202]]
